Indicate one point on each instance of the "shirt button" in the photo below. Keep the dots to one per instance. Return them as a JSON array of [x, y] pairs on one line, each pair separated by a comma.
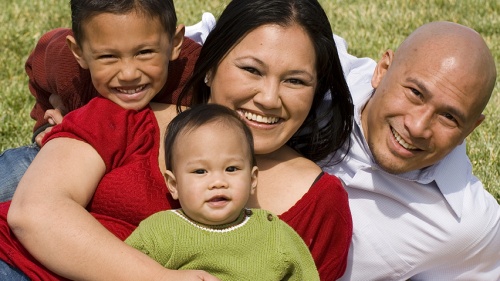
[[269, 217]]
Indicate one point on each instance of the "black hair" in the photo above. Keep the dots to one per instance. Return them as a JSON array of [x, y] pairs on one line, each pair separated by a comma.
[[198, 116], [83, 10], [323, 131]]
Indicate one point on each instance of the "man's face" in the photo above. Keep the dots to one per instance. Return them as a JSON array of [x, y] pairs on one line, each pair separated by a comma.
[[422, 108]]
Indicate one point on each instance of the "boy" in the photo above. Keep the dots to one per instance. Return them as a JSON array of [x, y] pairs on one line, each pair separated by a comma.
[[213, 181]]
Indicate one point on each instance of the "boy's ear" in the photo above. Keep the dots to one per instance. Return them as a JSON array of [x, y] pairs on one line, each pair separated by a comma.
[[382, 66], [171, 184], [255, 172], [77, 51], [177, 41]]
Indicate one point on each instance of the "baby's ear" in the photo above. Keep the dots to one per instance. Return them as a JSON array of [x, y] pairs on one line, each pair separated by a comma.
[[255, 173], [171, 184], [77, 51]]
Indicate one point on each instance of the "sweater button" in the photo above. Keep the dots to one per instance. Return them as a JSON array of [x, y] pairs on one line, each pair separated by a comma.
[[269, 217]]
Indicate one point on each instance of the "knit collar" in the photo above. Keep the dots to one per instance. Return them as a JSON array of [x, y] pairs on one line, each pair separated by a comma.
[[239, 222]]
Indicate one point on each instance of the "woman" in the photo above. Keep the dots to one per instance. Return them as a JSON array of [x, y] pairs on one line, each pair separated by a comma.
[[271, 61]]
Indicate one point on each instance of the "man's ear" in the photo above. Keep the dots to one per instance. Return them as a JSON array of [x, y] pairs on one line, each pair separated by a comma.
[[171, 184], [77, 51], [382, 66], [255, 172], [177, 41]]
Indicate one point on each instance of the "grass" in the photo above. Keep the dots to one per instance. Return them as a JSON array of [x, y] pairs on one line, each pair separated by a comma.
[[370, 27]]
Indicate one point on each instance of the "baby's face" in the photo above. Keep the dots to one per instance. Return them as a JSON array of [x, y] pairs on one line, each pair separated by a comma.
[[212, 173], [127, 56]]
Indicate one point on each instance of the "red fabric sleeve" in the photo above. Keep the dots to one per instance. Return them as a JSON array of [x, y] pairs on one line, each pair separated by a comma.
[[323, 219], [52, 69]]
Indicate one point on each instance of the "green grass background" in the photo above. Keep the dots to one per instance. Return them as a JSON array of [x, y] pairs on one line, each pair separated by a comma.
[[370, 27]]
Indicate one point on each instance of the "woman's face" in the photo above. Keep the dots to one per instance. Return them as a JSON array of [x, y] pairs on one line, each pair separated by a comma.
[[269, 78]]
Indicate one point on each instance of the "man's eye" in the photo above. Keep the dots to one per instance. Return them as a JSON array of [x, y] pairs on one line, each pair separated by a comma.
[[416, 92]]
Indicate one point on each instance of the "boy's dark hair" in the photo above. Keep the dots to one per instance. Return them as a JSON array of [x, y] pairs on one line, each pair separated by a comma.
[[198, 116], [83, 10], [324, 131]]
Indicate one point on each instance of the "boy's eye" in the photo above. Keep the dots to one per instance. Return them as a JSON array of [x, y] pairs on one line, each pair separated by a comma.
[[104, 57], [199, 171], [145, 52]]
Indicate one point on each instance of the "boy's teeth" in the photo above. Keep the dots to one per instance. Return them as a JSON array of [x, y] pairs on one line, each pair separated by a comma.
[[130, 92], [260, 118], [401, 141]]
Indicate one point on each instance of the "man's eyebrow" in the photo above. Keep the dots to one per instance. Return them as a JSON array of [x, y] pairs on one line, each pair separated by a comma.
[[452, 110]]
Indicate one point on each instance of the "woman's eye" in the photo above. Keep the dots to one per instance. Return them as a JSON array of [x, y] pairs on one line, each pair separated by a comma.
[[296, 81], [251, 70]]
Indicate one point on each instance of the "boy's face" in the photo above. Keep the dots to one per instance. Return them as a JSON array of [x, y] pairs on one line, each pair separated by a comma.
[[212, 173], [127, 56]]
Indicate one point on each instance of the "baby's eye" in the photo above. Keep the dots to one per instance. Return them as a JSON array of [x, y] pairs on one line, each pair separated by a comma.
[[199, 171], [231, 169]]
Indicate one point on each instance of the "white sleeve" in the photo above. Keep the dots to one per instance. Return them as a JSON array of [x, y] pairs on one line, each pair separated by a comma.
[[200, 31], [358, 72]]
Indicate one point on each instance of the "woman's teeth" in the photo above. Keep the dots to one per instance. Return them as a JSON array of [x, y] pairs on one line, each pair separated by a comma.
[[260, 118], [401, 141]]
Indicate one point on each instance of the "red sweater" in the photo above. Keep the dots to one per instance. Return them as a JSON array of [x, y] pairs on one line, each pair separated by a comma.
[[133, 188], [52, 69]]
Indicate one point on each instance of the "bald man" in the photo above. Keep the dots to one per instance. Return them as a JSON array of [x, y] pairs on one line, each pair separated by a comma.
[[418, 211]]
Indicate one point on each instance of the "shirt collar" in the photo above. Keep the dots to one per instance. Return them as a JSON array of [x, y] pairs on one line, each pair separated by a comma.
[[451, 174]]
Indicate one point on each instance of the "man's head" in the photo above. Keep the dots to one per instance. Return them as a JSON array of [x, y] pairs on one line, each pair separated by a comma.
[[127, 46], [429, 96]]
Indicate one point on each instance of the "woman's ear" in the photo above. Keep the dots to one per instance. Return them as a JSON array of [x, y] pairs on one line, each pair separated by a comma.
[[77, 51], [171, 184], [177, 41], [382, 67]]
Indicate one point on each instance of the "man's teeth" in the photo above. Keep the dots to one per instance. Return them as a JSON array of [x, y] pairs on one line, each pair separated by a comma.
[[401, 141], [132, 91], [260, 118]]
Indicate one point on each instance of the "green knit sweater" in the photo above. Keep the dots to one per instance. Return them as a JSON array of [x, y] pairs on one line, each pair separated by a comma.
[[261, 247]]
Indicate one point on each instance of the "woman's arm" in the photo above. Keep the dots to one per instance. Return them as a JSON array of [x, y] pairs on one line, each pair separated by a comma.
[[49, 218]]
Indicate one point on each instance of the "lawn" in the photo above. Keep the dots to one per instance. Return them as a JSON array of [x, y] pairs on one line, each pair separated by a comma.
[[370, 27]]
